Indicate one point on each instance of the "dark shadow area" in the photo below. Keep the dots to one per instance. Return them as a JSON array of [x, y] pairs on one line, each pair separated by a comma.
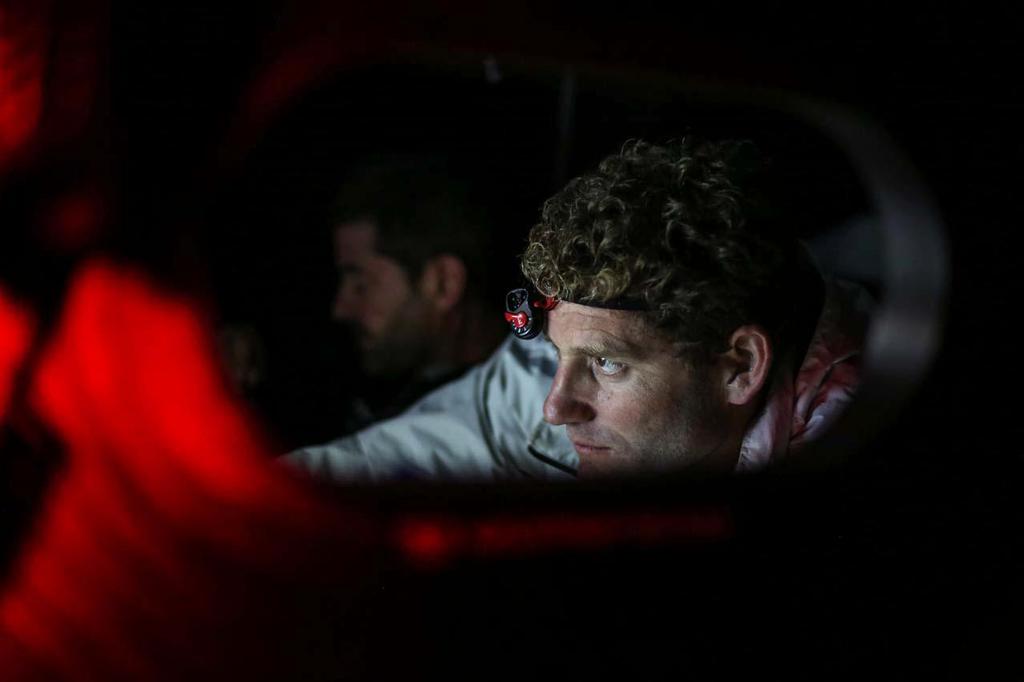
[[512, 134], [185, 567]]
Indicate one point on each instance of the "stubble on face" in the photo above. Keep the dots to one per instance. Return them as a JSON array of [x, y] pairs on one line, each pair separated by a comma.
[[377, 300], [401, 346], [659, 412]]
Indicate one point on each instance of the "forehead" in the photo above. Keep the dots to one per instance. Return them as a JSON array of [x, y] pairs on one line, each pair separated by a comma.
[[576, 327], [354, 241]]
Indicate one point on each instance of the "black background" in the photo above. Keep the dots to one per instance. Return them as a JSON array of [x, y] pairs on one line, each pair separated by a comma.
[[912, 551]]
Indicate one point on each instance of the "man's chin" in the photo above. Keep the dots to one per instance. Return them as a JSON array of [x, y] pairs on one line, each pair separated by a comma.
[[379, 364], [604, 462], [387, 374], [597, 462], [388, 362]]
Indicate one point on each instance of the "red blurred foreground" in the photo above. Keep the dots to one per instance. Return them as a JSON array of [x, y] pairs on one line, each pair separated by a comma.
[[154, 538]]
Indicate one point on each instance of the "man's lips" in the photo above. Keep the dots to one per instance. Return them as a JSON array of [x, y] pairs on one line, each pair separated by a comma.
[[589, 448]]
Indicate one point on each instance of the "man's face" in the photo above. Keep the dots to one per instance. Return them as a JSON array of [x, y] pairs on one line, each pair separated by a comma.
[[391, 321], [627, 401]]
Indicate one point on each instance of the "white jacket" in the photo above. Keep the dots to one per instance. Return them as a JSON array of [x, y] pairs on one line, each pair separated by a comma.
[[488, 425]]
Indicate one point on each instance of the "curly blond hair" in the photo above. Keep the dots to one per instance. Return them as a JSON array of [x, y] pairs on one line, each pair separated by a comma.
[[672, 230]]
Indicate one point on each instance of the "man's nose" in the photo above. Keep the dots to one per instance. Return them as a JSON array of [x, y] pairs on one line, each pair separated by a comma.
[[565, 403]]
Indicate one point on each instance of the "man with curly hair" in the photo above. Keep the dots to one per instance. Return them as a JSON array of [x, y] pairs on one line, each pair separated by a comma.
[[683, 306], [686, 328]]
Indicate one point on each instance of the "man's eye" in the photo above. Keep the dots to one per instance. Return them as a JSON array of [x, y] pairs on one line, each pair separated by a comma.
[[608, 367]]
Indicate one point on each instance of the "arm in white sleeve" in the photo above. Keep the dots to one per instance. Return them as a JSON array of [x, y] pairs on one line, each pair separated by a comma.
[[486, 425]]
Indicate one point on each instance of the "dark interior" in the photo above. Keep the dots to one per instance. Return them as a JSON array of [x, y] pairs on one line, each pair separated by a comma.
[[909, 550], [515, 134]]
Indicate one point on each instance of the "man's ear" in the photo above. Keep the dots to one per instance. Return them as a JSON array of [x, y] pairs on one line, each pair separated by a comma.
[[746, 364], [443, 282]]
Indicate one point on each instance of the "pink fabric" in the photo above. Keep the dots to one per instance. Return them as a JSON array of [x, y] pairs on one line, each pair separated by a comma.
[[800, 409]]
